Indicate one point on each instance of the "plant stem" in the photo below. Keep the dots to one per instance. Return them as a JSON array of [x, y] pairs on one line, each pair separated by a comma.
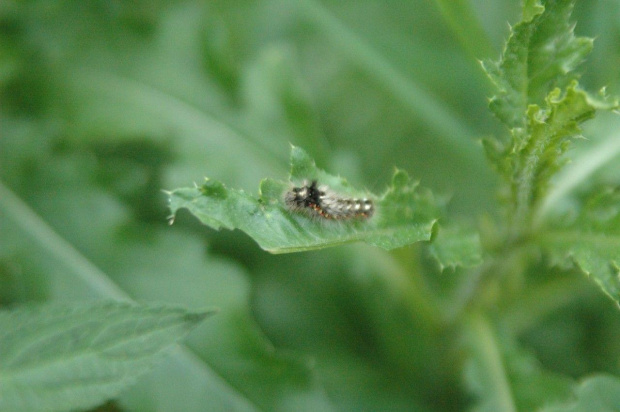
[[488, 359]]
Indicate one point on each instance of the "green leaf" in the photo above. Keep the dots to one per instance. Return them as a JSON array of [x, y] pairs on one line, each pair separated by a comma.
[[175, 269], [536, 153], [539, 101], [541, 50], [60, 357], [157, 264], [589, 165], [599, 393], [456, 246], [403, 214], [591, 241]]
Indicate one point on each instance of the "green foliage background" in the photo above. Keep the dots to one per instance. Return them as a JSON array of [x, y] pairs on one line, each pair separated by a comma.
[[105, 103]]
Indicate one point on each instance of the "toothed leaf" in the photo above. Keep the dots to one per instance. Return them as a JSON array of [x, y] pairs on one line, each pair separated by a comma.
[[456, 246], [592, 242], [538, 99], [58, 357], [404, 214], [537, 153], [541, 50]]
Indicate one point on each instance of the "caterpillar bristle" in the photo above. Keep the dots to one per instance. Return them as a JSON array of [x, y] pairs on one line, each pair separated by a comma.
[[322, 202]]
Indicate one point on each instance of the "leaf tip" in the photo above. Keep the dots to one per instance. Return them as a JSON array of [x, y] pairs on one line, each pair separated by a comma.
[[401, 180], [531, 9], [302, 165], [213, 188]]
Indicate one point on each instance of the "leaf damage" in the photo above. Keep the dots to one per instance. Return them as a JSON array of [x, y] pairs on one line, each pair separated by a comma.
[[404, 214]]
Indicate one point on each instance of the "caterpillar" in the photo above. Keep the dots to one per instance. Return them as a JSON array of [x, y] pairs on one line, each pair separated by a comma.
[[321, 202]]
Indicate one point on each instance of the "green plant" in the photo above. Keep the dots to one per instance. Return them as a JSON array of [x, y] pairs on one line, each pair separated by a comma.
[[539, 100], [480, 303]]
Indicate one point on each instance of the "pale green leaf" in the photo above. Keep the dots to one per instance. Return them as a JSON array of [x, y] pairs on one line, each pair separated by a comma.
[[456, 246], [403, 214], [599, 393], [591, 241], [538, 99], [531, 8], [541, 50], [60, 357], [536, 153], [588, 165]]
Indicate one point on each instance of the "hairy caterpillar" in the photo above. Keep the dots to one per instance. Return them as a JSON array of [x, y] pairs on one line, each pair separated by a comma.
[[321, 202]]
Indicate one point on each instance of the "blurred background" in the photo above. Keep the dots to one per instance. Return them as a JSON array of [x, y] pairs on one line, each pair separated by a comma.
[[104, 104]]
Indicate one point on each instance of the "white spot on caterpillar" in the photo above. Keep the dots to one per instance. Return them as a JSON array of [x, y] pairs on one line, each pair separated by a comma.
[[320, 201]]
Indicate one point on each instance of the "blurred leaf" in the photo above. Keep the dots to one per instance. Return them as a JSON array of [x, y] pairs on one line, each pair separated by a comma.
[[591, 240], [446, 124], [105, 103], [456, 246], [459, 15], [484, 372], [131, 85], [60, 357], [402, 217], [503, 376], [533, 385], [595, 394], [233, 366]]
